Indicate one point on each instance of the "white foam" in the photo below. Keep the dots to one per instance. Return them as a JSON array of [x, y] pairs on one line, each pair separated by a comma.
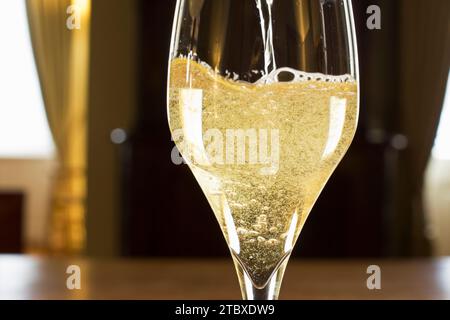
[[273, 77], [301, 76]]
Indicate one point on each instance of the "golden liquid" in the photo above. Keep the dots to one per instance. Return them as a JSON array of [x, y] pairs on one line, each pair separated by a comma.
[[261, 212]]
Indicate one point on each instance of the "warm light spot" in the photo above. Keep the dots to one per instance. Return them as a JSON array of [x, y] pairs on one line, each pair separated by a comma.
[[84, 7]]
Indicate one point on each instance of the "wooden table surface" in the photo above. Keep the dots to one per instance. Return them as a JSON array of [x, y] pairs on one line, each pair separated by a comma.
[[30, 277]]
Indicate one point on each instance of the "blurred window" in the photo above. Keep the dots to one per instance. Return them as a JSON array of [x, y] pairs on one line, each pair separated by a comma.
[[441, 148], [24, 131]]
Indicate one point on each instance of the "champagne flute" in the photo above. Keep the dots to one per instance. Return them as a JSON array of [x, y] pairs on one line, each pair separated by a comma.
[[262, 104]]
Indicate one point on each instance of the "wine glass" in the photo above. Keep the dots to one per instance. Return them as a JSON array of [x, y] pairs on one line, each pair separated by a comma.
[[262, 104]]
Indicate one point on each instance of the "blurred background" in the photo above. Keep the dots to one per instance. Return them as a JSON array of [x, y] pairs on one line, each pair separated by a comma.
[[85, 165]]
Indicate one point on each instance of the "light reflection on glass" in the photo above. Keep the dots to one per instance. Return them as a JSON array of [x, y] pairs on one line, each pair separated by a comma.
[[231, 227], [443, 277], [338, 108], [291, 233], [191, 101]]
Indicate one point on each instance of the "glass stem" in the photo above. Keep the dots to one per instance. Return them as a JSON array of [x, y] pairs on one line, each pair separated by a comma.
[[269, 292]]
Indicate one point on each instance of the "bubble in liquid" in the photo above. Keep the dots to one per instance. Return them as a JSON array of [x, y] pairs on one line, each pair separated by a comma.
[[262, 218], [253, 233], [242, 231]]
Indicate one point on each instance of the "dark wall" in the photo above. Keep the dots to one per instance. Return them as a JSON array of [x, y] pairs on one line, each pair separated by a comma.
[[112, 104], [11, 218], [165, 212]]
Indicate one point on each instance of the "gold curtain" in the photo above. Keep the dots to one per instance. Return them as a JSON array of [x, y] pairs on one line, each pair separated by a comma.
[[61, 52]]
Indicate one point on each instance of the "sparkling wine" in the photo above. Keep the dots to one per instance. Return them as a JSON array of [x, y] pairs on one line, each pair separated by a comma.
[[262, 152]]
